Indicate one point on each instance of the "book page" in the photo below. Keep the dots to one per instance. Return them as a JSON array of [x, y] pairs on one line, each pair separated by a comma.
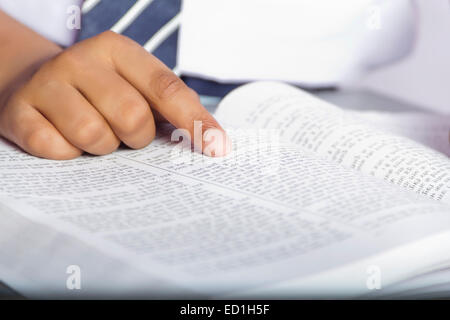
[[219, 225], [431, 130], [315, 125]]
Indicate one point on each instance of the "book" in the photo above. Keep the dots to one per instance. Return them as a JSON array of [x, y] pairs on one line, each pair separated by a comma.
[[312, 202]]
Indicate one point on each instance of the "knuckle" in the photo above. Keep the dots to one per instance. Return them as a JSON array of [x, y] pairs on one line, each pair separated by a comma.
[[108, 44], [48, 86], [43, 88], [143, 140], [132, 117], [62, 153], [108, 35], [67, 59], [168, 85], [37, 140], [108, 148], [109, 38], [62, 66], [89, 132]]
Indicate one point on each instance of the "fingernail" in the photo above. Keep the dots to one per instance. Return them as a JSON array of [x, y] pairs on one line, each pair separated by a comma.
[[217, 143]]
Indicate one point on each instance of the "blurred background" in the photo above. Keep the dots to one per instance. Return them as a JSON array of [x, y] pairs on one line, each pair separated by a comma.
[[423, 77], [398, 48]]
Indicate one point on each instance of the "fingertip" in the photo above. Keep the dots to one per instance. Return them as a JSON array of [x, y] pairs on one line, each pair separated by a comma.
[[217, 143]]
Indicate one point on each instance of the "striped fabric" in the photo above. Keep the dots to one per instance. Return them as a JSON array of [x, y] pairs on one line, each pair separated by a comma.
[[152, 23]]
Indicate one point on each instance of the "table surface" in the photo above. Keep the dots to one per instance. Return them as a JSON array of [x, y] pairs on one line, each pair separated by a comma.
[[353, 100]]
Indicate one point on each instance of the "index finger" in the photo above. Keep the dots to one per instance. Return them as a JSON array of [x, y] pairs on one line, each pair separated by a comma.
[[168, 94]]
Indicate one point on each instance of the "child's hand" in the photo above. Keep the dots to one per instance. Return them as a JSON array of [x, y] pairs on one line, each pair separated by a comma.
[[94, 95]]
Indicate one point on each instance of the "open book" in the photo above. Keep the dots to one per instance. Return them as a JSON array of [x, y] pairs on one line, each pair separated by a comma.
[[311, 202]]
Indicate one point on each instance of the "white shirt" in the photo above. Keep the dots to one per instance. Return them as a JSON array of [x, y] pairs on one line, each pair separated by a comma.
[[47, 17]]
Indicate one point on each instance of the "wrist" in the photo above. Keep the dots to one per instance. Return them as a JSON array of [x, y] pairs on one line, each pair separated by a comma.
[[19, 76], [22, 52]]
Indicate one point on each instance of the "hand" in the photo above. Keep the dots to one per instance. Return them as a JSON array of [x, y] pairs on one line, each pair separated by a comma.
[[94, 95]]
